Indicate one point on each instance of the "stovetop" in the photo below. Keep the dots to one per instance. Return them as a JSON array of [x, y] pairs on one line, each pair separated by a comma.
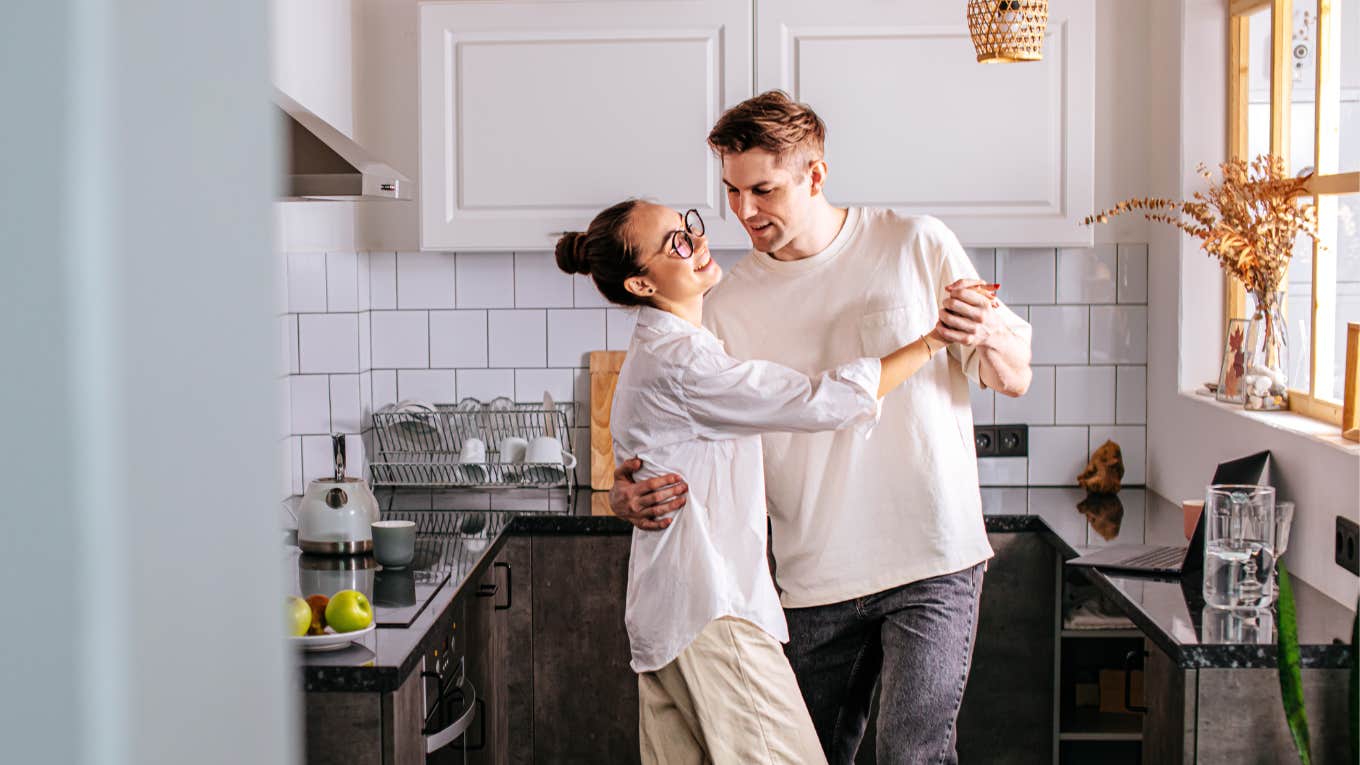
[[448, 544]]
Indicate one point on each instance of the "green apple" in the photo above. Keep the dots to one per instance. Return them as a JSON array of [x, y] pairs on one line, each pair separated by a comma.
[[299, 616], [348, 611]]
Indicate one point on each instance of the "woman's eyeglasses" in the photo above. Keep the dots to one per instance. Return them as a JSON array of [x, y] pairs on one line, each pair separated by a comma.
[[682, 241]]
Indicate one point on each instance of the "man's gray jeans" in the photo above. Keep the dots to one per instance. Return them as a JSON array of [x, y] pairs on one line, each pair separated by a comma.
[[917, 638]]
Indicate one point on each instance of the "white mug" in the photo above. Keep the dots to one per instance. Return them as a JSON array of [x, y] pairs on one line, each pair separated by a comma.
[[550, 457], [473, 455]]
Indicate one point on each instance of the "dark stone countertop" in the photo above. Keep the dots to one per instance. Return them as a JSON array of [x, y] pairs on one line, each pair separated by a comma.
[[1191, 637], [1173, 616]]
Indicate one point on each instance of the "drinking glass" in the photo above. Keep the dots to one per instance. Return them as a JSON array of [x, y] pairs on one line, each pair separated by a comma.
[[1240, 534]]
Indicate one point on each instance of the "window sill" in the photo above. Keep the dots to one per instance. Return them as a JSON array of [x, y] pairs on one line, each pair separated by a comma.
[[1289, 422]]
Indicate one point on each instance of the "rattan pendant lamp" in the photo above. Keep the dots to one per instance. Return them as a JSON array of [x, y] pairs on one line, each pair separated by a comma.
[[1007, 31]]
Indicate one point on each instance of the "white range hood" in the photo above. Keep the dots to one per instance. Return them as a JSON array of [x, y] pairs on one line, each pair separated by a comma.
[[323, 164]]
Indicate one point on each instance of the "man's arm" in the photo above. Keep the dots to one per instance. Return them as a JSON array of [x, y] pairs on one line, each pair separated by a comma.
[[969, 317], [640, 503]]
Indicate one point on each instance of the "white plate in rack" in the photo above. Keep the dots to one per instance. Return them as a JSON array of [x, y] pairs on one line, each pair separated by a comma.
[[331, 641]]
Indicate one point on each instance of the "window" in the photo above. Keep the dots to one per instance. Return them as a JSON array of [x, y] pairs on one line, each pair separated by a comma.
[[1294, 91]]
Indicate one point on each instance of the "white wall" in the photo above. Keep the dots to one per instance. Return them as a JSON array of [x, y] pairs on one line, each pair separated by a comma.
[[143, 619], [1188, 435]]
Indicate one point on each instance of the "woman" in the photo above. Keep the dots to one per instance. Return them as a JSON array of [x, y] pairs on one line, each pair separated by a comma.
[[703, 617]]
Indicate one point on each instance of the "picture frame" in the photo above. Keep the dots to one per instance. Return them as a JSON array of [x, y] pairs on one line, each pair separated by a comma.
[[1233, 364]]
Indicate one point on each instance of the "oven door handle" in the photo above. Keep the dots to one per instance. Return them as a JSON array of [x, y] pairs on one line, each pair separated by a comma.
[[442, 738]]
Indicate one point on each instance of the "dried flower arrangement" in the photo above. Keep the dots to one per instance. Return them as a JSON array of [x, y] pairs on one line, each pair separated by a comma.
[[1249, 222]]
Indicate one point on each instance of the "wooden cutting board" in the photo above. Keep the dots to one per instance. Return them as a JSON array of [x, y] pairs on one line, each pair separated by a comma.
[[604, 375]]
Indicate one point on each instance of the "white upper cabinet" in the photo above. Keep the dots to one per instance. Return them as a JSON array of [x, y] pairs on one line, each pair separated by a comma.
[[1003, 153], [536, 115]]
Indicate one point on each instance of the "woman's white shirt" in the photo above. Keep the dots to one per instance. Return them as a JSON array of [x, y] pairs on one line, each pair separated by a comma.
[[682, 405]]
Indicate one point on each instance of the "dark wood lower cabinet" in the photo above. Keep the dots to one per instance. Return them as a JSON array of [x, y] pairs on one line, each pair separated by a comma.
[[365, 728]]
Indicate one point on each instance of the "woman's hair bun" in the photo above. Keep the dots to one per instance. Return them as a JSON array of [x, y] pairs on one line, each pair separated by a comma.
[[571, 253]]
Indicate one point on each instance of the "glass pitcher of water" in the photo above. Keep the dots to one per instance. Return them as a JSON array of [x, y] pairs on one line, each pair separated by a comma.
[[1244, 532]]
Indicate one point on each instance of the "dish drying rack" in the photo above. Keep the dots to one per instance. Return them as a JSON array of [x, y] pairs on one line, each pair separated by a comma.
[[420, 449]]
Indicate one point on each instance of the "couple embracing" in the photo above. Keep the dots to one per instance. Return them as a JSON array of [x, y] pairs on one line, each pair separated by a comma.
[[822, 388]]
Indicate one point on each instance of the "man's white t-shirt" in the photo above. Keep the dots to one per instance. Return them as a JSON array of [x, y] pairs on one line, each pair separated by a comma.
[[850, 515]]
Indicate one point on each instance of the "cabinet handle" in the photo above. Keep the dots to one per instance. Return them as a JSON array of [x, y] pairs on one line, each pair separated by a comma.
[[1130, 659], [489, 589], [509, 586]]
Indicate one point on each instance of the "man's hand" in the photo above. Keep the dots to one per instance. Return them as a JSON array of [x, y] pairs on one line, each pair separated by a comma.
[[641, 503], [969, 316]]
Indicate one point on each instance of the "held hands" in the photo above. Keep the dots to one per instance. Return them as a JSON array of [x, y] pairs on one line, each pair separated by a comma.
[[969, 315], [641, 503]]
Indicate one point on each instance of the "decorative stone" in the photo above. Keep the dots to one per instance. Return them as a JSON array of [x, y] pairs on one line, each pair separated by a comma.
[[1104, 471]]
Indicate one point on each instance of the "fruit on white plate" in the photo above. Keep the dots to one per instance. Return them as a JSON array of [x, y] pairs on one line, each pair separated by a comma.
[[299, 615], [317, 603], [349, 611]]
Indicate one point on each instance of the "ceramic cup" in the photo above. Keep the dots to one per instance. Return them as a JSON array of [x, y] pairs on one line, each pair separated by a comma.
[[551, 461], [510, 452], [473, 456], [394, 543]]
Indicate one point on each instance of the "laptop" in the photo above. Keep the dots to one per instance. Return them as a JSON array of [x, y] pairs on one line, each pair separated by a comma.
[[1176, 560]]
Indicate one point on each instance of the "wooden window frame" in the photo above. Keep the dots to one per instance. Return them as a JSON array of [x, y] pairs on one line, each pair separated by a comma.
[[1323, 187]]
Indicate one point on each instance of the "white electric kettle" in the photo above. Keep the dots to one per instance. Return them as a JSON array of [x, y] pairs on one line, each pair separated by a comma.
[[335, 513]]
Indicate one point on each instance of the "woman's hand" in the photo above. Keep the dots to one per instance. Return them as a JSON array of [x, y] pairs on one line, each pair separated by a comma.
[[969, 316], [640, 503]]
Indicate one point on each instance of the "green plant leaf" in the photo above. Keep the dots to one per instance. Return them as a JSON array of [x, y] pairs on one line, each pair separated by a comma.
[[1291, 680], [1355, 685]]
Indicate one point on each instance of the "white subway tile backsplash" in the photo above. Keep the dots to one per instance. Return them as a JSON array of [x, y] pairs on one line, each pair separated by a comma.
[[283, 407], [364, 280], [295, 464], [384, 388], [573, 334], [307, 282], [984, 260], [342, 282], [1133, 273], [425, 280], [434, 386], [586, 295], [346, 404], [1085, 395], [983, 403], [318, 458], [366, 400], [619, 324], [1033, 408], [539, 283], [328, 342], [289, 342], [486, 280], [1061, 334], [1025, 274], [400, 339], [1130, 406], [365, 341], [1119, 334], [310, 400], [1056, 455], [1087, 275], [458, 339], [487, 384], [1007, 501], [517, 338], [531, 383], [1132, 440], [1002, 471], [382, 281], [283, 469]]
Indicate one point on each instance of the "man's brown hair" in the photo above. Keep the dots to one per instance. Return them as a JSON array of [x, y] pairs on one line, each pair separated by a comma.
[[772, 122]]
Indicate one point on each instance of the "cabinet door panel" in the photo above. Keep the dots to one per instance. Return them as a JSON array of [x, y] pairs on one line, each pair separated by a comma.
[[1002, 153], [534, 116]]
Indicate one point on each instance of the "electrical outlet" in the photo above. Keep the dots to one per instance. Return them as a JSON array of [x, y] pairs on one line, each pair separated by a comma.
[[1348, 544], [1012, 440], [984, 440]]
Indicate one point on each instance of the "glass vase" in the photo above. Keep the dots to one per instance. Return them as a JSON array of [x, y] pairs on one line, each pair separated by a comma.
[[1266, 382]]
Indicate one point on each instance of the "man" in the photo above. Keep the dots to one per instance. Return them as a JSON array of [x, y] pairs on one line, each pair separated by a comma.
[[879, 543]]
